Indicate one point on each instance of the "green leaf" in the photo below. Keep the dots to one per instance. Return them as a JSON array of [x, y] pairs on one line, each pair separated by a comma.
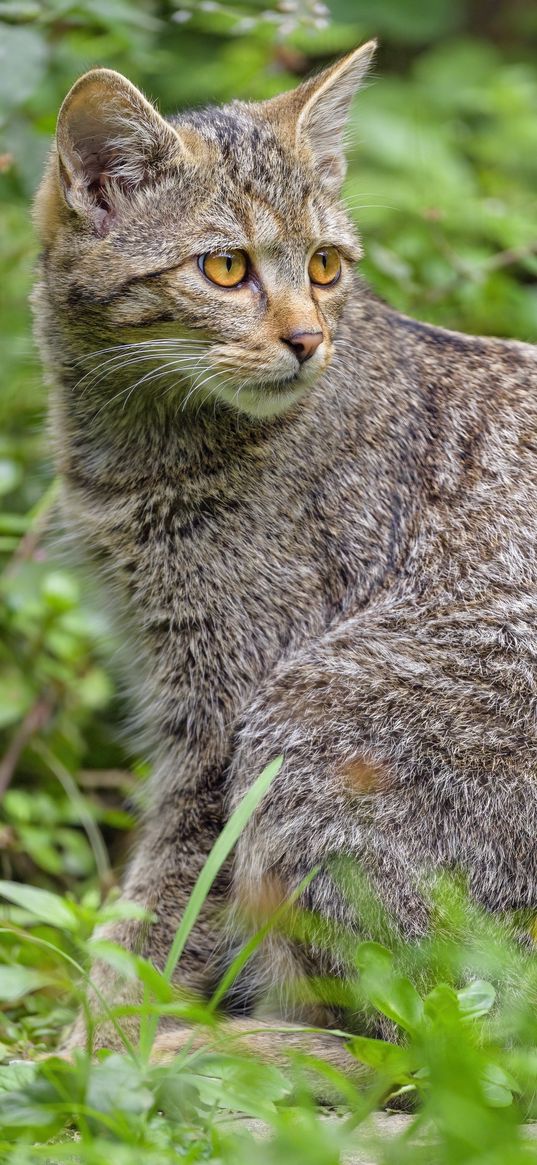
[[241, 1085], [60, 591], [122, 908], [133, 967], [442, 1004], [374, 959], [16, 696], [400, 1001], [389, 1059], [498, 1086], [121, 960], [16, 1075], [117, 1086], [41, 904], [476, 999], [94, 689], [12, 523], [10, 476], [16, 982], [15, 12], [20, 1114], [408, 22], [27, 1103], [177, 1097], [391, 994], [37, 844]]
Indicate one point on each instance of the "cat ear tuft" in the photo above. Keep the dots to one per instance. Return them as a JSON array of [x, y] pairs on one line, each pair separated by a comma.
[[322, 119], [110, 140]]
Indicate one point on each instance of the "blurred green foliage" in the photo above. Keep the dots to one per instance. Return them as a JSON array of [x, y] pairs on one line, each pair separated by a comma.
[[442, 182]]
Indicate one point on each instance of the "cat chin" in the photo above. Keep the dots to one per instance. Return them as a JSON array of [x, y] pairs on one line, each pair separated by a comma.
[[262, 402]]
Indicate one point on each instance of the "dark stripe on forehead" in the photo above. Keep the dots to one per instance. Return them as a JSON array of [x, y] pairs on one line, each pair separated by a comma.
[[255, 161], [245, 143], [229, 125]]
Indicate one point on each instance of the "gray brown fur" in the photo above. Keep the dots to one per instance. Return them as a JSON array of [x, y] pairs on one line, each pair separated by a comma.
[[351, 582]]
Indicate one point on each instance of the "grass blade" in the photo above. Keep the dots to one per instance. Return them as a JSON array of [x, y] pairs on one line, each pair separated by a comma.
[[218, 855]]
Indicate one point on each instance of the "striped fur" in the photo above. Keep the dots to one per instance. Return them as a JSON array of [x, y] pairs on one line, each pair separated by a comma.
[[334, 562]]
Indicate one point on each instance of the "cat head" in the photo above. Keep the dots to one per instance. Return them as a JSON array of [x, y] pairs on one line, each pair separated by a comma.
[[210, 253]]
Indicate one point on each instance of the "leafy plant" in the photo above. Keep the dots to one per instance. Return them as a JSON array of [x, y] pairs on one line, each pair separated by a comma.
[[464, 1060]]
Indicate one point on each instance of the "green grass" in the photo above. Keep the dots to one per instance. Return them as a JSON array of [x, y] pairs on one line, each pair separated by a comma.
[[464, 1055]]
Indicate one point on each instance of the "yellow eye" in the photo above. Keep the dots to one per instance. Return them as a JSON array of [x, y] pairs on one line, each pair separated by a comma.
[[325, 266], [226, 268]]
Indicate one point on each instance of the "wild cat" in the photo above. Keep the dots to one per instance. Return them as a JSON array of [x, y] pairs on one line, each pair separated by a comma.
[[315, 516]]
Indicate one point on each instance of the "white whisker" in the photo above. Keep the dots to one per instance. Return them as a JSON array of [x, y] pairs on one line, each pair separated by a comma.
[[162, 370], [120, 365], [119, 361], [174, 340], [198, 385]]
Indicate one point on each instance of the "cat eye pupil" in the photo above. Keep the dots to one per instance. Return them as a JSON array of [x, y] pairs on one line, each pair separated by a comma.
[[225, 268], [325, 266]]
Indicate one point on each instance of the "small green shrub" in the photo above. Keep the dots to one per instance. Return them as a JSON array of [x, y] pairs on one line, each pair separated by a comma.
[[465, 1063]]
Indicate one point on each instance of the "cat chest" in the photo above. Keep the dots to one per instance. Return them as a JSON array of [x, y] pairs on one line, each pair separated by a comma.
[[222, 589]]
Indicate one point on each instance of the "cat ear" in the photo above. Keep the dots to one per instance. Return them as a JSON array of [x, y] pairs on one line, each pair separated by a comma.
[[110, 141], [321, 108], [322, 119]]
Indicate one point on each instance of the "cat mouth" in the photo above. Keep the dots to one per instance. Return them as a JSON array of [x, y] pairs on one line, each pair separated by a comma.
[[263, 399], [281, 385], [303, 377], [263, 394]]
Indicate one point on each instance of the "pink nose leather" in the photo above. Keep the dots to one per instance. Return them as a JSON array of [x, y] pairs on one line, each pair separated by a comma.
[[304, 344]]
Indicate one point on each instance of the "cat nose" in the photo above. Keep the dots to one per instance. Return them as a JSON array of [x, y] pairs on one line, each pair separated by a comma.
[[304, 344]]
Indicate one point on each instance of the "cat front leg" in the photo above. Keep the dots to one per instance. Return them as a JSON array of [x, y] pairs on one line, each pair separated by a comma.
[[177, 837]]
